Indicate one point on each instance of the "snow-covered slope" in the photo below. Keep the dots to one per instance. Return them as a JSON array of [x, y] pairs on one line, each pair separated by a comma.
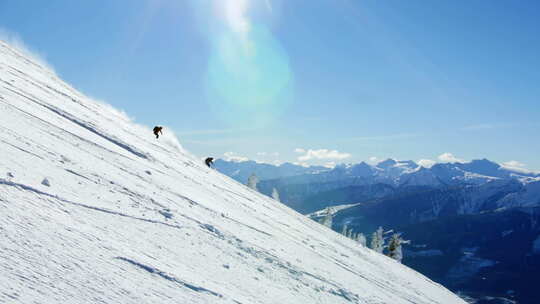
[[528, 196], [94, 209]]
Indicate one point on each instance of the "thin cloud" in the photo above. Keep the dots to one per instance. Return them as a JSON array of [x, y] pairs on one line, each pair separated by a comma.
[[235, 157], [514, 163], [212, 131], [449, 158], [488, 126], [373, 159], [384, 137], [232, 156], [219, 142], [320, 154], [330, 165], [268, 154], [517, 166], [426, 163], [305, 165], [478, 127]]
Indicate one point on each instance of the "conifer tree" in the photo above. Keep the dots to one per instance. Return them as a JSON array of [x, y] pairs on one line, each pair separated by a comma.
[[349, 233], [377, 240], [253, 180], [275, 194], [361, 238], [394, 247], [344, 230]]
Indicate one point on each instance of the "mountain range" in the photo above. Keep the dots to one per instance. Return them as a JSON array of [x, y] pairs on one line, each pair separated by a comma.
[[310, 189], [473, 226]]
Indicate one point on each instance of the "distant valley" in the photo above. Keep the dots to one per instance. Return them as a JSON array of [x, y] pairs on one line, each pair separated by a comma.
[[474, 227]]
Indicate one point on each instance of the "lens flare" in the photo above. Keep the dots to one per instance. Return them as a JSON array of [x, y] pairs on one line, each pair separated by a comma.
[[248, 78]]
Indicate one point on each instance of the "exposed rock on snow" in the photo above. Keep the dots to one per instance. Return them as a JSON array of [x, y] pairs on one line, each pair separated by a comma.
[[46, 182]]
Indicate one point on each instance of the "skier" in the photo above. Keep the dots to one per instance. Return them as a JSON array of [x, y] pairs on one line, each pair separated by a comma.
[[157, 130], [209, 161]]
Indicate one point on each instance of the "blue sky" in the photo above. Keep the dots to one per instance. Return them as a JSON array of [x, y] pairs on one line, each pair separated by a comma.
[[316, 81]]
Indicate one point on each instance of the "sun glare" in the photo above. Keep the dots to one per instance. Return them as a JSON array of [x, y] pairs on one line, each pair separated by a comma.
[[248, 76]]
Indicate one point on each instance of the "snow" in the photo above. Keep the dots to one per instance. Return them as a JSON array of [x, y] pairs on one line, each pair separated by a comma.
[[421, 176], [506, 232], [126, 218], [477, 196], [529, 196], [330, 210]]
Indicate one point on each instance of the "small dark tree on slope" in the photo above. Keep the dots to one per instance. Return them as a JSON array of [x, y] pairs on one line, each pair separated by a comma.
[[394, 247]]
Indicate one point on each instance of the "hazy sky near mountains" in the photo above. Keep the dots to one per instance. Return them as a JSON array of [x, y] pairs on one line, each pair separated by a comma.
[[316, 81]]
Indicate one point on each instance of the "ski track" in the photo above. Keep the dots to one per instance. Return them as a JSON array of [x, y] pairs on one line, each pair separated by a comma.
[[36, 191], [169, 277]]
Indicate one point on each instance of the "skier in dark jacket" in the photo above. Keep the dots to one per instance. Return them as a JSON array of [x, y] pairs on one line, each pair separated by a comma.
[[157, 130], [209, 161]]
